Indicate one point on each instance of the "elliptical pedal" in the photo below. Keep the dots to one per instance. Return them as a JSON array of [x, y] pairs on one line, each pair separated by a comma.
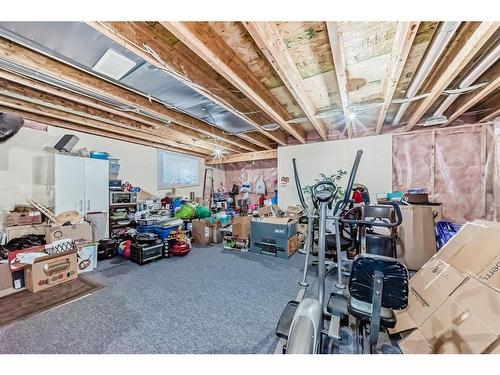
[[285, 320]]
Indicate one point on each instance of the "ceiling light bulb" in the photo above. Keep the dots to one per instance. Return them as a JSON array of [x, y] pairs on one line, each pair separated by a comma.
[[352, 115], [218, 152]]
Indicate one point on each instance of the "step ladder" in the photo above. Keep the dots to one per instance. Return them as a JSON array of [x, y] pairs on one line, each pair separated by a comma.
[[208, 188]]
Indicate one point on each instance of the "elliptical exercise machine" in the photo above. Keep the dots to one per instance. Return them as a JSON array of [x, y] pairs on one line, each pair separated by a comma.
[[377, 284], [302, 323]]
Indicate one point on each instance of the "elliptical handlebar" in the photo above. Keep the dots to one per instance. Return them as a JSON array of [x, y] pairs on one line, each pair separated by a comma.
[[299, 187], [342, 204]]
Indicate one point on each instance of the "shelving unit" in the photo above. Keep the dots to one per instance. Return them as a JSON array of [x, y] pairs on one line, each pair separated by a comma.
[[113, 223]]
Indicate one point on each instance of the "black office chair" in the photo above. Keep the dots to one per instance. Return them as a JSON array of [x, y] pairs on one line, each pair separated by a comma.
[[378, 285]]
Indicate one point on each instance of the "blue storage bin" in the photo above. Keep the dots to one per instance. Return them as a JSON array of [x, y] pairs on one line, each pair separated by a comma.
[[164, 232], [146, 229]]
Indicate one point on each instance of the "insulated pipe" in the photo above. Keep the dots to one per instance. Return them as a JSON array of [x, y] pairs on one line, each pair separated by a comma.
[[488, 61], [439, 43]]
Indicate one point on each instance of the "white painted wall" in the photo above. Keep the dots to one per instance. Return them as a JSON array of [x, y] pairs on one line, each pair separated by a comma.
[[375, 169], [24, 164]]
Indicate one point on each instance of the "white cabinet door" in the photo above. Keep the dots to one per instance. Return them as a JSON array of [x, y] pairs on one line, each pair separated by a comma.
[[96, 185], [69, 184]]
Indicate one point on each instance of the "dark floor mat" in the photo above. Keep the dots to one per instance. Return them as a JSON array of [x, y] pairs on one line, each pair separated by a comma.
[[23, 304]]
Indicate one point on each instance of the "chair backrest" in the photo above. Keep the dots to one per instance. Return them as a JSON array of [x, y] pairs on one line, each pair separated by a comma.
[[395, 288]]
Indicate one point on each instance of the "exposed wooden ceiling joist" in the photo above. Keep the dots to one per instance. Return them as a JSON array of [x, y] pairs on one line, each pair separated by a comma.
[[249, 156], [480, 36], [267, 37], [491, 116], [403, 41], [65, 120], [134, 36], [465, 103], [200, 38], [70, 126], [51, 67], [74, 104], [335, 36]]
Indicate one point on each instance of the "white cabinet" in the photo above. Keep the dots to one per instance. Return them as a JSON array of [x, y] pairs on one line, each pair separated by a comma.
[[81, 184]]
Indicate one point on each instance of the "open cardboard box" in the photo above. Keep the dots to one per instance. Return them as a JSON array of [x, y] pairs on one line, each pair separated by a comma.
[[473, 254], [468, 322]]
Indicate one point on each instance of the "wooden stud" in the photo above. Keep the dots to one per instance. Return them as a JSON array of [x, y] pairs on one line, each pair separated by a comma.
[[403, 41], [493, 115], [484, 156], [249, 156], [267, 37], [205, 42], [132, 34], [336, 41], [480, 36], [433, 163]]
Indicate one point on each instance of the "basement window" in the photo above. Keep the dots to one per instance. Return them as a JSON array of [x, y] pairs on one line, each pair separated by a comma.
[[113, 65], [177, 170]]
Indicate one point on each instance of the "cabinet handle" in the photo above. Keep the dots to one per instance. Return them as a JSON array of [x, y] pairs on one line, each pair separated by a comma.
[[88, 204]]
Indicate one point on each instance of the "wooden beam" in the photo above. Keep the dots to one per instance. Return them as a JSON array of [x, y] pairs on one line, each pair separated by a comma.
[[55, 94], [480, 36], [249, 156], [99, 132], [336, 40], [470, 101], [403, 41], [20, 92], [205, 42], [51, 67], [40, 109], [268, 38], [135, 35], [491, 116]]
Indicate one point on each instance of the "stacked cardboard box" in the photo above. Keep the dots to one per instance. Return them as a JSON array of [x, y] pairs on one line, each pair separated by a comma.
[[455, 297]]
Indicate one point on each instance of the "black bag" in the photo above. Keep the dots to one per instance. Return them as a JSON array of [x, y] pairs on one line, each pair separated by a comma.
[[235, 189], [9, 125]]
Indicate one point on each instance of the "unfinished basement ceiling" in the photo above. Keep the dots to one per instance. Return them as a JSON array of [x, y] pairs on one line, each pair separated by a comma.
[[307, 81], [82, 46]]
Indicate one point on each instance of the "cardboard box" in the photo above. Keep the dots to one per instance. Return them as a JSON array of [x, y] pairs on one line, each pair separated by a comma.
[[268, 210], [19, 231], [473, 250], [217, 235], [232, 243], [5, 275], [293, 245], [51, 270], [23, 215], [429, 288], [87, 257], [80, 233], [417, 234], [202, 232], [468, 322], [294, 212], [241, 226]]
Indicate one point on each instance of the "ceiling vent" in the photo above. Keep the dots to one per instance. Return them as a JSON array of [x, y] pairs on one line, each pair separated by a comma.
[[113, 65]]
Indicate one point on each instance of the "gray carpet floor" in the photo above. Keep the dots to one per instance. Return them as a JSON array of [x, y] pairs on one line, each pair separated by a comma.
[[211, 301]]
